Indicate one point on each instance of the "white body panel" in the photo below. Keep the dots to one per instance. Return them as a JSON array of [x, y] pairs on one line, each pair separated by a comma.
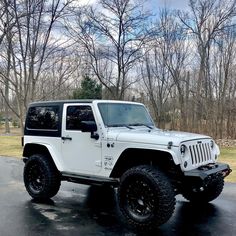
[[82, 154], [85, 155], [53, 144]]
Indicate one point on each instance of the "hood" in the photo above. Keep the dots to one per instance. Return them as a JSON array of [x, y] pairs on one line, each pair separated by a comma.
[[155, 136]]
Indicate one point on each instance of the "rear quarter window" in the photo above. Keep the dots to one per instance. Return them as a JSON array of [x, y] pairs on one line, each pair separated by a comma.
[[43, 118]]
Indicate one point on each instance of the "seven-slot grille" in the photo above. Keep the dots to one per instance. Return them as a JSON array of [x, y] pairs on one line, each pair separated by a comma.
[[200, 153]]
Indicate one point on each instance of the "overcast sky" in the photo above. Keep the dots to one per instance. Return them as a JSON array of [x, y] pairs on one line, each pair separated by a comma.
[[156, 4], [175, 4]]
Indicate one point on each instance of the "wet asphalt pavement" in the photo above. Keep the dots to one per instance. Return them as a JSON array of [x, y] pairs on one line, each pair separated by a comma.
[[81, 210]]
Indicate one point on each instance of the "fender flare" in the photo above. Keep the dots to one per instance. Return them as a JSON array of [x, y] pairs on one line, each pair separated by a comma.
[[44, 147], [123, 162]]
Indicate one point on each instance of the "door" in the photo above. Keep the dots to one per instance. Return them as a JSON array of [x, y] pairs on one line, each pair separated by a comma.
[[81, 153]]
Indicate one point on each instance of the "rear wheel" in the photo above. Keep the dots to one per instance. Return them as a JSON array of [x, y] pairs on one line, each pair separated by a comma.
[[146, 197], [41, 178]]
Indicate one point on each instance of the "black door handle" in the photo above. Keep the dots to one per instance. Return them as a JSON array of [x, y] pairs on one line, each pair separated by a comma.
[[66, 138]]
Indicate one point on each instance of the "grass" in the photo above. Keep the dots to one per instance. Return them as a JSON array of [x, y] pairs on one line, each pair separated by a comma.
[[228, 155], [14, 131], [10, 146]]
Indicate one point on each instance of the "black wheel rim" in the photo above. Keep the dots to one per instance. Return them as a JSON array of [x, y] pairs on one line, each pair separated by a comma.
[[36, 178], [140, 199]]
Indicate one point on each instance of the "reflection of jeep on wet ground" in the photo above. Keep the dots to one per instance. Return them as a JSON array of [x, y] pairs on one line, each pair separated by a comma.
[[117, 143]]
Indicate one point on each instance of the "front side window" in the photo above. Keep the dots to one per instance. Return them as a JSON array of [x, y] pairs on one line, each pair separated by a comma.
[[121, 114], [76, 115], [43, 118]]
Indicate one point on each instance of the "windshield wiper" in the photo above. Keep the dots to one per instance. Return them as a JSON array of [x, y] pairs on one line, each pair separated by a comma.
[[141, 124], [121, 125]]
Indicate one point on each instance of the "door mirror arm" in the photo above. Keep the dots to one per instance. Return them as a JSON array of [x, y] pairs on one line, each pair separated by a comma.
[[94, 135]]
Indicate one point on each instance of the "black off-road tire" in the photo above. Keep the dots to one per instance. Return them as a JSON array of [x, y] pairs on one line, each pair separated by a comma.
[[207, 193], [41, 177], [146, 198]]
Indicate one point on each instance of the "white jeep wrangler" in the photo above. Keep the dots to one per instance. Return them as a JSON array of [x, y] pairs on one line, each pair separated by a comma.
[[117, 143]]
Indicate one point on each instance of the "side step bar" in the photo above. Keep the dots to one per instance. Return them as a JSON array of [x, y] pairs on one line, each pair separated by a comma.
[[94, 180]]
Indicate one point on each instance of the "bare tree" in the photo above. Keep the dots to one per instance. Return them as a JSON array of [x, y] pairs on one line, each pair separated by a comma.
[[157, 82], [30, 45], [165, 67], [177, 44], [59, 76], [113, 37], [223, 72], [207, 19], [7, 22]]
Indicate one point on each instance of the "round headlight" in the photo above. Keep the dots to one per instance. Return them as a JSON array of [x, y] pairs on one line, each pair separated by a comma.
[[182, 149]]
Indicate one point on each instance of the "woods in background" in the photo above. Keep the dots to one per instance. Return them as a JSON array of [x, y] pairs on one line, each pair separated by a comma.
[[180, 63]]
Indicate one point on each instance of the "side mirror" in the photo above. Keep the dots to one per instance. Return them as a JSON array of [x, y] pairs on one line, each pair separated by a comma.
[[88, 126]]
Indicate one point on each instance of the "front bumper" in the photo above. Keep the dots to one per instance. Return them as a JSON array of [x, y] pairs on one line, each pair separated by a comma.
[[205, 171]]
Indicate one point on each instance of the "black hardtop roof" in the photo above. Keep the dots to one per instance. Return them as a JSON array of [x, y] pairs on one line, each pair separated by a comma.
[[60, 102]]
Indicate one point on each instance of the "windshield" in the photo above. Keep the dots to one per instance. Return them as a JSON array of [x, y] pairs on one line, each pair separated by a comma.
[[122, 114]]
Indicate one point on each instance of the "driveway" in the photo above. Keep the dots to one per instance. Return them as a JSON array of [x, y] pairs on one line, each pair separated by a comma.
[[81, 210]]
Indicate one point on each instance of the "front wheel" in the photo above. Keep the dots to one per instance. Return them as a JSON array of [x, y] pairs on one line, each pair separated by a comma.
[[146, 197], [207, 192], [41, 178]]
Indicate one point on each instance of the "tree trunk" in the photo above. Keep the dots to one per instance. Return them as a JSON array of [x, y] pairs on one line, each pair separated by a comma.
[[7, 125]]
